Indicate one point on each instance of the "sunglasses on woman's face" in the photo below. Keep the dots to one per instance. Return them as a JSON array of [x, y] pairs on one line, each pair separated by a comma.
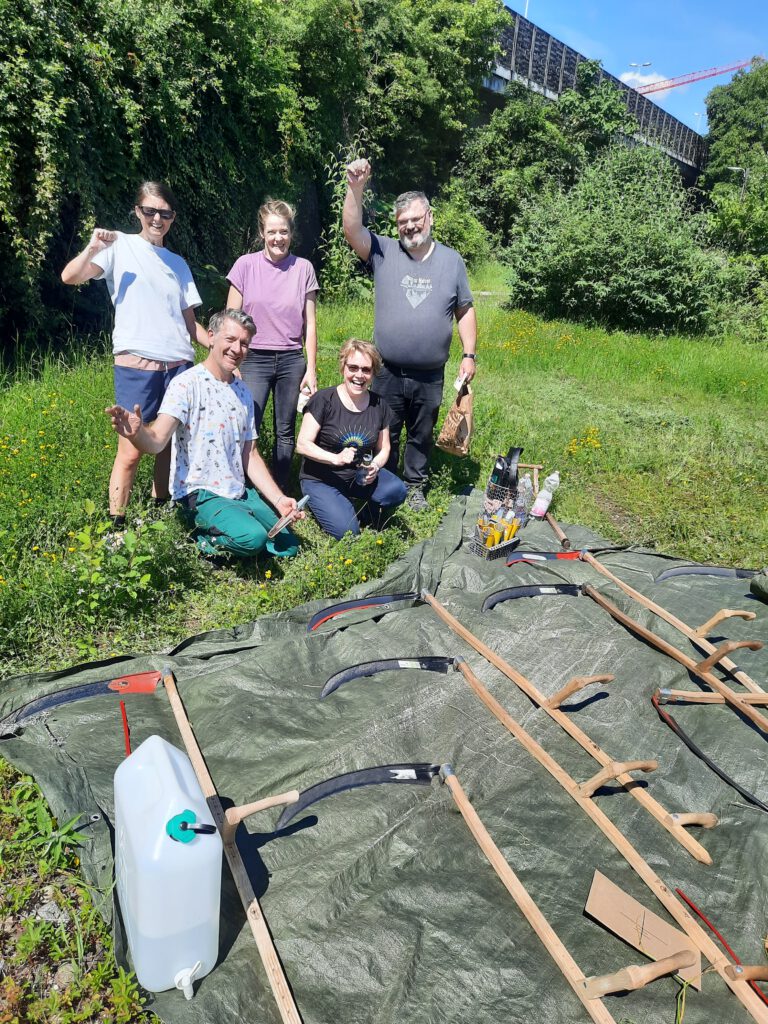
[[354, 368], [150, 213]]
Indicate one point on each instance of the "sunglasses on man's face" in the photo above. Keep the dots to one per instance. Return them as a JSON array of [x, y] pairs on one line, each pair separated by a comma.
[[150, 213], [354, 368]]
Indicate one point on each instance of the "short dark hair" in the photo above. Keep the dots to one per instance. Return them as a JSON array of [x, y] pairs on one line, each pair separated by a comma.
[[237, 315]]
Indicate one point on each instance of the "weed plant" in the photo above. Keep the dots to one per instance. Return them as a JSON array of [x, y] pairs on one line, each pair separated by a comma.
[[55, 948]]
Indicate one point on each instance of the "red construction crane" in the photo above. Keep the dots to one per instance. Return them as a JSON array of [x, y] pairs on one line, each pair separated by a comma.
[[694, 76]]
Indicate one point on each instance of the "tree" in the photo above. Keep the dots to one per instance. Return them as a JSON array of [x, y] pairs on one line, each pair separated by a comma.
[[531, 144], [594, 112], [514, 156], [737, 172], [424, 63]]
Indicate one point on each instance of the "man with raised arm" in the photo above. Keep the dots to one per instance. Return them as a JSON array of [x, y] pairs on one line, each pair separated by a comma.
[[215, 465], [420, 286]]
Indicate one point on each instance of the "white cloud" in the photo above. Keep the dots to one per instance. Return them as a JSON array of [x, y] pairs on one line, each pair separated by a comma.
[[636, 80]]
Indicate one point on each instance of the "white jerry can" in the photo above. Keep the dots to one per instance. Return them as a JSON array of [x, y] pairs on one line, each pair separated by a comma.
[[167, 867]]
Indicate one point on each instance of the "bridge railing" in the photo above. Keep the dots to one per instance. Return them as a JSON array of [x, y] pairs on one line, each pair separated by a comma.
[[547, 65]]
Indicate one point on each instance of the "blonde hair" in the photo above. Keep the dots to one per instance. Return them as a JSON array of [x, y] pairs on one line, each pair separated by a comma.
[[277, 208], [365, 348]]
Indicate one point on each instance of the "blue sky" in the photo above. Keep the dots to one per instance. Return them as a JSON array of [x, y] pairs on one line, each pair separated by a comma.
[[677, 36]]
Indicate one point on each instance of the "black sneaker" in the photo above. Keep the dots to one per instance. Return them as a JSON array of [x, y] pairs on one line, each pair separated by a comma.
[[415, 498]]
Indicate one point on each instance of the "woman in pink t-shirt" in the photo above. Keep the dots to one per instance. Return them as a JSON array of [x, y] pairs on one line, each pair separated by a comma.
[[279, 290]]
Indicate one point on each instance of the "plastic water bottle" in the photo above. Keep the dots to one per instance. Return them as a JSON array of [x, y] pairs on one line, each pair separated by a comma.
[[167, 867], [544, 497], [524, 499]]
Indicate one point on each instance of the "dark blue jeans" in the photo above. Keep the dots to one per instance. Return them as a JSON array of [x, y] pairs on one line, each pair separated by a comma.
[[279, 372], [414, 396], [334, 509]]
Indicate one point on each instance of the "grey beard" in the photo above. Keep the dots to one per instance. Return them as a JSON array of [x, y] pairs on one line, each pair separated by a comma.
[[417, 241]]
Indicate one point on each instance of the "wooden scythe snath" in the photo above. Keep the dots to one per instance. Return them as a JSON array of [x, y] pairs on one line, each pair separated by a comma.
[[227, 823], [554, 946], [671, 822], [701, 669], [740, 988], [698, 636]]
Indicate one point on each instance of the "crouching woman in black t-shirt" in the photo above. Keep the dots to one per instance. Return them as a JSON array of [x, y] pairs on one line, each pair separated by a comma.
[[344, 439]]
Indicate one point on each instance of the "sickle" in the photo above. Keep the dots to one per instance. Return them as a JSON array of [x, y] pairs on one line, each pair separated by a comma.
[[372, 668], [678, 730], [138, 682], [706, 570], [332, 610], [420, 774]]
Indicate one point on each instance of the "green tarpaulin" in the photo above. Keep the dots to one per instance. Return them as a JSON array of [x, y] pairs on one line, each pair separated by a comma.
[[382, 907]]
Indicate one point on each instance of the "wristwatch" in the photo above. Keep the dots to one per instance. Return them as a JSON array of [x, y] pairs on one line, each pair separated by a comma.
[[469, 355]]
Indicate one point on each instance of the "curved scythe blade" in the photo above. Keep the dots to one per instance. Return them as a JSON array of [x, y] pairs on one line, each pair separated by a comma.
[[543, 556], [511, 593], [408, 774], [706, 570], [137, 682], [332, 610], [372, 668]]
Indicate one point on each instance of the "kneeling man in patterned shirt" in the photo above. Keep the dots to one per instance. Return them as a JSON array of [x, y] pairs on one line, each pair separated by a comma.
[[215, 466]]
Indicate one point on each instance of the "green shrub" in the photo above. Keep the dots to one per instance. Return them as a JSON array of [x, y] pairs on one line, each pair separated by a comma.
[[456, 225], [622, 248]]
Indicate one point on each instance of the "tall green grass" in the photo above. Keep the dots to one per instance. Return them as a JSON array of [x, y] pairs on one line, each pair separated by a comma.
[[659, 441]]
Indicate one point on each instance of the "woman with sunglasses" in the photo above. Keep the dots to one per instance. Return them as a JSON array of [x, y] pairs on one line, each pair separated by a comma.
[[279, 291], [154, 297], [344, 439]]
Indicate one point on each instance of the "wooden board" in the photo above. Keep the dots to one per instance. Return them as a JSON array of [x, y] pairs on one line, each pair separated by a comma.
[[640, 927]]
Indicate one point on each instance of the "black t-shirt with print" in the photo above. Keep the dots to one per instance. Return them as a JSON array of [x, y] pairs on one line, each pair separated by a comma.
[[341, 428]]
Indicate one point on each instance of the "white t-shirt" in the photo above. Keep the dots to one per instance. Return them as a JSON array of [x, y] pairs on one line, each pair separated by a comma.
[[215, 421], [149, 287]]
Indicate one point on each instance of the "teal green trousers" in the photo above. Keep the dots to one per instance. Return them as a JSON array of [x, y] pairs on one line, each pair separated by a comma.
[[236, 525]]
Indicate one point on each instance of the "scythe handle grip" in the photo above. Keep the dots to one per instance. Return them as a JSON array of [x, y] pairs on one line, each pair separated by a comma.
[[724, 650], [637, 975], [576, 684], [746, 972], [721, 616], [234, 815]]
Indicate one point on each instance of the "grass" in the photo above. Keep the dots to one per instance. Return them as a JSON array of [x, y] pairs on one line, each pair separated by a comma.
[[659, 441]]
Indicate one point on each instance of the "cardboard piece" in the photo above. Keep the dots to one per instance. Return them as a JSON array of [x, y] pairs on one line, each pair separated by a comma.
[[640, 927]]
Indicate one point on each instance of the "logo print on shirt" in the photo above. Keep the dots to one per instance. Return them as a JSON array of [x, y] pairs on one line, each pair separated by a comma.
[[416, 289]]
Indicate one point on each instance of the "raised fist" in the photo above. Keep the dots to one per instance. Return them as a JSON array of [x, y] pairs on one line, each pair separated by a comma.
[[358, 173], [101, 239]]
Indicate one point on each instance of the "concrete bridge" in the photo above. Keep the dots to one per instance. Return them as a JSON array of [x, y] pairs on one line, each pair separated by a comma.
[[544, 64]]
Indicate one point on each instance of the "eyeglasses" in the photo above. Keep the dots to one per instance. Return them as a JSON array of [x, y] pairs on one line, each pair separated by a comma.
[[418, 222], [365, 370], [150, 213]]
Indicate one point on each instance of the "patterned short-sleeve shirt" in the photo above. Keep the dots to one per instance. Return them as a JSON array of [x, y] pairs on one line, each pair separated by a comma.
[[215, 421]]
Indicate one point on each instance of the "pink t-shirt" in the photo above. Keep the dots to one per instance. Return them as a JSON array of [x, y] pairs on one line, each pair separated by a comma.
[[274, 295]]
